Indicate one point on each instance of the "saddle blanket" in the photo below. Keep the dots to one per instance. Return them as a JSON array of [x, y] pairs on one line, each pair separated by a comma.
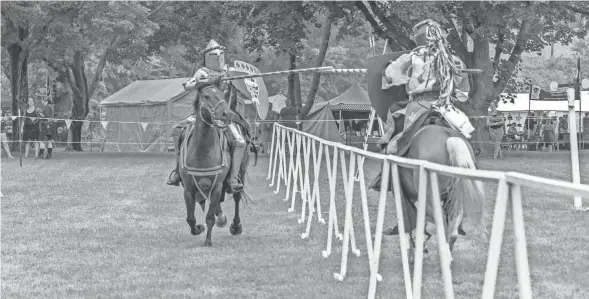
[[197, 165]]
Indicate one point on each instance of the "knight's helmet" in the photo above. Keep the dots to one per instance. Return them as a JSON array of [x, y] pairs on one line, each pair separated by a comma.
[[214, 56], [428, 30]]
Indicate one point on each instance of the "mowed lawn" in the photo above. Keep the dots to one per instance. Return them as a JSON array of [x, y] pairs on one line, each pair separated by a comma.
[[105, 225]]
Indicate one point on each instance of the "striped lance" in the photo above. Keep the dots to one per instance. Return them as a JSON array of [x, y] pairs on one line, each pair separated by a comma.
[[324, 69], [287, 72], [469, 71]]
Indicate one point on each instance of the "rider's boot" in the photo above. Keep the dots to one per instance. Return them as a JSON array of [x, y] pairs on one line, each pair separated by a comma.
[[174, 178], [239, 144]]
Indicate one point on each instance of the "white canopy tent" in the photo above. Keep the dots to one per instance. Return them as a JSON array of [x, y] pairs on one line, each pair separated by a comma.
[[522, 103]]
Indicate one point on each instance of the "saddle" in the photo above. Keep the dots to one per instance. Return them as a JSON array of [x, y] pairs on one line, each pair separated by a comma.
[[431, 118]]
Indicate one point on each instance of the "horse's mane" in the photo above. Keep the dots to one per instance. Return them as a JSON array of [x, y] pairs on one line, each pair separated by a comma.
[[200, 88]]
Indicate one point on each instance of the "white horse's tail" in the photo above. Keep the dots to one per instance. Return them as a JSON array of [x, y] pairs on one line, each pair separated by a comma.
[[465, 194]]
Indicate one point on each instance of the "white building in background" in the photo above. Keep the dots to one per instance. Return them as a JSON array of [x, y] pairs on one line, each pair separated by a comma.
[[522, 104]]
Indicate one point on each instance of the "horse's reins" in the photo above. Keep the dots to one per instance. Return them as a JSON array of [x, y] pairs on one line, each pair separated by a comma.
[[211, 110]]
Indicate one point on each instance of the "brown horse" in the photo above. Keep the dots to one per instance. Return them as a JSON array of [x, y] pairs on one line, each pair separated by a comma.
[[463, 199], [204, 162]]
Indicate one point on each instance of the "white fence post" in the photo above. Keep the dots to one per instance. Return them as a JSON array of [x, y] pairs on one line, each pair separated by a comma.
[[290, 136], [349, 240], [444, 248], [496, 240], [374, 260], [332, 222], [521, 251], [315, 195], [272, 152], [509, 188], [282, 160], [403, 240], [419, 233], [306, 189]]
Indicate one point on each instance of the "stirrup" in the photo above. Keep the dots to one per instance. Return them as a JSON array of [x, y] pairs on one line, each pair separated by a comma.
[[235, 185]]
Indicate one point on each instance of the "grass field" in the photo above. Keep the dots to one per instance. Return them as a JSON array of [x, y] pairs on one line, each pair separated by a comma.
[[87, 225]]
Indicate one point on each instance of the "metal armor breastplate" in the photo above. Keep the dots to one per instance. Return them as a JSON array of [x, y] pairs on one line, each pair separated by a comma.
[[214, 75]]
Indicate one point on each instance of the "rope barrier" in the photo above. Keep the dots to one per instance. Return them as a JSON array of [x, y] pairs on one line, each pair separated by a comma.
[[172, 122], [293, 172]]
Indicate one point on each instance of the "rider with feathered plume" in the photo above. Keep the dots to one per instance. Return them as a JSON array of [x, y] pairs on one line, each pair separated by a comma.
[[432, 76]]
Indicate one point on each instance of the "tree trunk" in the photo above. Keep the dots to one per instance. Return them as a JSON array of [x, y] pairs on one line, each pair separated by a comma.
[[291, 79], [81, 97], [318, 63], [76, 135], [297, 93], [482, 94], [19, 81]]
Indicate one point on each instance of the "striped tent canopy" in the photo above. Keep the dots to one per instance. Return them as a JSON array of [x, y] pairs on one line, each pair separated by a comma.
[[355, 99]]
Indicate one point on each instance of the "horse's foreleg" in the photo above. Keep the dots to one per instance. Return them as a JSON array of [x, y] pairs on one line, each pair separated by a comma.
[[190, 205], [220, 218], [210, 217], [235, 228]]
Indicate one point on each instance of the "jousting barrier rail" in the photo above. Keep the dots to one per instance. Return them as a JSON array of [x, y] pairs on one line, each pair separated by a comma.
[[295, 175]]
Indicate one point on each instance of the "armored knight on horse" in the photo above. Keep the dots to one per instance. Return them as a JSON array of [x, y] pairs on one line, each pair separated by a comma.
[[414, 93], [214, 70]]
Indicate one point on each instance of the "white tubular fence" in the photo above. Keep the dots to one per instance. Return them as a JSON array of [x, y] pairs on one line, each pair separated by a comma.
[[295, 175]]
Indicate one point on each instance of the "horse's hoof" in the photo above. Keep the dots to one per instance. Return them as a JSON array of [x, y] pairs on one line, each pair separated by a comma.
[[235, 229], [221, 220], [208, 244], [193, 228], [198, 230]]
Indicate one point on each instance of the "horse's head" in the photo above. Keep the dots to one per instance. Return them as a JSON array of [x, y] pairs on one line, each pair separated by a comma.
[[211, 107]]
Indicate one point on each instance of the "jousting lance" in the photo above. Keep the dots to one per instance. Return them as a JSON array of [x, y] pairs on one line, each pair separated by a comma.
[[324, 69]]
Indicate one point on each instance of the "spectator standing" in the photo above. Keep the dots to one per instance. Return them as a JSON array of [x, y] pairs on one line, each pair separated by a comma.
[[289, 117], [549, 136], [268, 125], [511, 134], [30, 128], [4, 122], [496, 124], [46, 129], [530, 125]]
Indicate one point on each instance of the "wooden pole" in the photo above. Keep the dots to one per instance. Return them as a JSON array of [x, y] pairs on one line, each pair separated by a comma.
[[577, 202], [20, 129]]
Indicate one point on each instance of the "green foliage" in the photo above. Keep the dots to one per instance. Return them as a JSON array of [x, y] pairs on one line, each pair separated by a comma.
[[581, 48], [541, 71], [92, 27], [510, 28]]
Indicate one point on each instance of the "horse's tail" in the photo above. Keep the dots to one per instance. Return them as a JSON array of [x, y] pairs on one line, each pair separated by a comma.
[[465, 194], [243, 171]]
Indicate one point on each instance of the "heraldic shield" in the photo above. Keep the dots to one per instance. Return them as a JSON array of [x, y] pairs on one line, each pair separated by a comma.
[[383, 99], [251, 87]]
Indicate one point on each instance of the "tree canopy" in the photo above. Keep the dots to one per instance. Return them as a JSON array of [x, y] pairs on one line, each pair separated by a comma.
[[92, 49]]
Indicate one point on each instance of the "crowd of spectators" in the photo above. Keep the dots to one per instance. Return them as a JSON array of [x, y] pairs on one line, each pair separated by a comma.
[[37, 127], [541, 132]]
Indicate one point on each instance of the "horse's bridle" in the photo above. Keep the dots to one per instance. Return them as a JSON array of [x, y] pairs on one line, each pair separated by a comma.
[[211, 110]]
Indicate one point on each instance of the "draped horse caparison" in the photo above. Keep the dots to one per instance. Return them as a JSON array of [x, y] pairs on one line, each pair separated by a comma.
[[205, 162], [463, 199]]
